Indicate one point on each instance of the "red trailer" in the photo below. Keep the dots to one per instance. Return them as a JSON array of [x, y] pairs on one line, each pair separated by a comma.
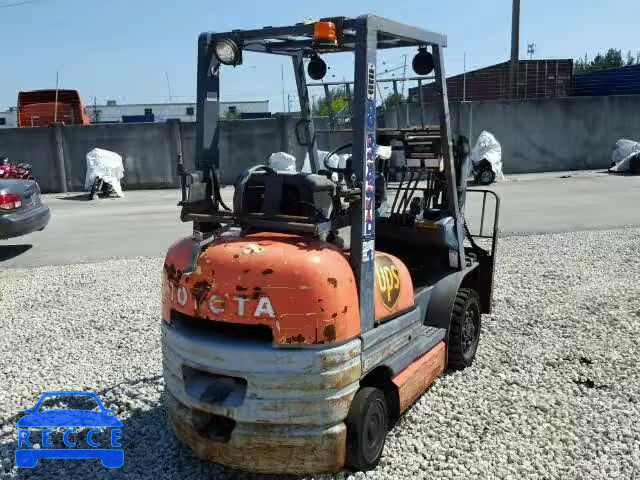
[[40, 108]]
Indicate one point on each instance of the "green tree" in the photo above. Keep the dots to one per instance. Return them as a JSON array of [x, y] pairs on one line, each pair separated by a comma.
[[337, 99], [611, 59], [232, 115], [633, 60]]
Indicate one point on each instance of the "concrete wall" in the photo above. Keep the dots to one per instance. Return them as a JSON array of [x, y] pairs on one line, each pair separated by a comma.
[[34, 146], [247, 143], [146, 152], [536, 135], [149, 150], [557, 134]]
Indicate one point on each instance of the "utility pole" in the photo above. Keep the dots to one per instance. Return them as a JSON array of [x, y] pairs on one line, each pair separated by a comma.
[[531, 49], [515, 47], [464, 78], [55, 105], [282, 72], [404, 74], [168, 85]]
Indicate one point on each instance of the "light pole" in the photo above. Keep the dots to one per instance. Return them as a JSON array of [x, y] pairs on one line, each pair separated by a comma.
[[515, 47], [55, 104], [282, 73]]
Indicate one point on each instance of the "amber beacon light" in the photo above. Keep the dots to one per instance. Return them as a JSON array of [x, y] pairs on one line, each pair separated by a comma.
[[324, 33]]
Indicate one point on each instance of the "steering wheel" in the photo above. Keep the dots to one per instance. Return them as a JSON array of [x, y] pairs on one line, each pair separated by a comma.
[[333, 152]]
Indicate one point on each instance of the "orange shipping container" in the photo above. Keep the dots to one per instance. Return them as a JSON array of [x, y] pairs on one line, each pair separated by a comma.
[[39, 108]]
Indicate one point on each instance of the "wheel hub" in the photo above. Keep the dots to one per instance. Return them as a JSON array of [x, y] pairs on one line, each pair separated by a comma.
[[469, 330], [374, 431]]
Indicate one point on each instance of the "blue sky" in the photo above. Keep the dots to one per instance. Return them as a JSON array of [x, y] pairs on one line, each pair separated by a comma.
[[124, 49]]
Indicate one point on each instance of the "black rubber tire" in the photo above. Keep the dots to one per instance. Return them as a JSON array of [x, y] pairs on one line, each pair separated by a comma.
[[634, 165], [464, 334], [486, 176], [367, 424], [95, 189]]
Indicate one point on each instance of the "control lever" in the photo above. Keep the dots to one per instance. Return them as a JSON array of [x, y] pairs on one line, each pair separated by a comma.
[[182, 176]]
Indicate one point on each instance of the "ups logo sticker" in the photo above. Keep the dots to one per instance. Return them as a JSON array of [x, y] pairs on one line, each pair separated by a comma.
[[387, 281]]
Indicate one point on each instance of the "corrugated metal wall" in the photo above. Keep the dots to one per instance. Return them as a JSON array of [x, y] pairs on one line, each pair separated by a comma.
[[536, 79], [613, 81]]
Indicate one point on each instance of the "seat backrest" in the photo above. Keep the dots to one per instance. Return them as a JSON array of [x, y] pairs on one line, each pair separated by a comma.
[[300, 194]]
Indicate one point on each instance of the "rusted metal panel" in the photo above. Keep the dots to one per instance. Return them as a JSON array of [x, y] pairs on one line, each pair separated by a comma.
[[287, 407], [414, 380], [424, 343], [292, 386], [386, 330], [250, 357], [303, 289], [253, 447], [399, 339]]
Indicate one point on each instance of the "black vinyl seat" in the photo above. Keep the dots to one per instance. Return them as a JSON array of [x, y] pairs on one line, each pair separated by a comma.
[[284, 193]]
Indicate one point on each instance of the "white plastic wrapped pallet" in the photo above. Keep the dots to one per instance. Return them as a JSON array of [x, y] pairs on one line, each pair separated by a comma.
[[106, 165], [340, 160], [336, 161], [282, 162], [488, 148], [623, 151]]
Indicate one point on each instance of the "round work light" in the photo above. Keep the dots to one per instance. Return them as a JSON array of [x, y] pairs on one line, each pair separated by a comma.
[[227, 52], [423, 62], [316, 68]]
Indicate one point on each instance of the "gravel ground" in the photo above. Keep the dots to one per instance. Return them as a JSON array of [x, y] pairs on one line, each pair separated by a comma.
[[554, 393]]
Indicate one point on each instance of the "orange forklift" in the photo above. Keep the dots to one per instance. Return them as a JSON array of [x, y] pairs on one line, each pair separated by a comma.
[[301, 323]]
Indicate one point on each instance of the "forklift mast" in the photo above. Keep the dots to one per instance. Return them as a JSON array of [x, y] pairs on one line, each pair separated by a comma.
[[363, 36]]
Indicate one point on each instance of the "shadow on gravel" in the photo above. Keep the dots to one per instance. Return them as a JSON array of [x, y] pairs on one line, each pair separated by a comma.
[[8, 252], [151, 450]]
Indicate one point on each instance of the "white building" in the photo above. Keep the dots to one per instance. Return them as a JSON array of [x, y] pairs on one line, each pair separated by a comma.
[[161, 112], [9, 118]]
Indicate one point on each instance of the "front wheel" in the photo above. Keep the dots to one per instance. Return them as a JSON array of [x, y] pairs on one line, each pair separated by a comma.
[[367, 424], [464, 334]]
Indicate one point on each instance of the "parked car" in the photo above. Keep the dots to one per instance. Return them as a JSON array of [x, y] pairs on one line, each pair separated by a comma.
[[21, 209]]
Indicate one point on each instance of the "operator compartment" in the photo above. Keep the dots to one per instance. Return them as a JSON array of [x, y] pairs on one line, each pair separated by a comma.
[[416, 224], [301, 289]]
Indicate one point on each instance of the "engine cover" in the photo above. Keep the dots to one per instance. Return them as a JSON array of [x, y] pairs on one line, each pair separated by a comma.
[[303, 289]]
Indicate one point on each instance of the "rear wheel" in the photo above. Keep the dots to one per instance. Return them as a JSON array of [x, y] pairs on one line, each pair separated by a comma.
[[464, 334], [486, 176], [367, 424]]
